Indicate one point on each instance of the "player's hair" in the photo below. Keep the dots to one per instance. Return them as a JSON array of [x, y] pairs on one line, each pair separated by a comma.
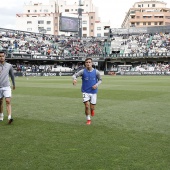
[[2, 51], [88, 59]]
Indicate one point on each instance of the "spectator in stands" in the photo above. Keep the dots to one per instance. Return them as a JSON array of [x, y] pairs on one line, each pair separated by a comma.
[[6, 70], [91, 78]]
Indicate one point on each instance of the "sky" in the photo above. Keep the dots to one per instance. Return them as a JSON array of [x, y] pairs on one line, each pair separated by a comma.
[[109, 10]]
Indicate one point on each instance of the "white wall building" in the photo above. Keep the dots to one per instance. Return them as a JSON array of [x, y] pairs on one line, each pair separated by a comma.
[[99, 31], [37, 17], [45, 18]]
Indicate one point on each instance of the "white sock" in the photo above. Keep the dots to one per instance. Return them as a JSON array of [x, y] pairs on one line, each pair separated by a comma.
[[1, 116], [88, 117], [9, 117]]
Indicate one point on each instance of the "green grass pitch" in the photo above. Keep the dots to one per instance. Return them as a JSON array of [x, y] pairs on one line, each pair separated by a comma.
[[130, 130]]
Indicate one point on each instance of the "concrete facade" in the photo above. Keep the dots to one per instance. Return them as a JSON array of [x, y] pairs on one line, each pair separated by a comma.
[[147, 13], [44, 18]]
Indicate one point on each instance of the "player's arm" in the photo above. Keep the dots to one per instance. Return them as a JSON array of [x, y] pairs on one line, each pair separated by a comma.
[[11, 73], [76, 75], [99, 80]]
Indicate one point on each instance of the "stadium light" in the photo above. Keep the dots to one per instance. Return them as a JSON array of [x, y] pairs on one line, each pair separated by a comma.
[[80, 19]]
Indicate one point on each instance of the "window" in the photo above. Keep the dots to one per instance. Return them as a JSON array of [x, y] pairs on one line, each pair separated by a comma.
[[91, 17], [147, 16], [138, 17], [91, 30], [29, 22], [132, 24], [41, 22], [84, 35], [137, 23], [28, 10], [160, 23], [35, 10], [91, 23], [48, 22], [84, 22], [45, 10], [98, 35], [105, 34], [149, 23], [139, 5], [29, 29], [98, 28], [48, 29], [167, 17], [144, 23], [155, 23], [167, 23], [153, 5], [66, 10], [84, 28], [40, 28]]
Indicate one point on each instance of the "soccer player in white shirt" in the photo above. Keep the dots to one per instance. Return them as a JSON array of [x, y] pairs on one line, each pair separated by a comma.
[[6, 71]]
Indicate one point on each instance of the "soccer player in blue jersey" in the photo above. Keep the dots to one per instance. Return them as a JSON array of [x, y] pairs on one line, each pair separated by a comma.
[[6, 71], [91, 79]]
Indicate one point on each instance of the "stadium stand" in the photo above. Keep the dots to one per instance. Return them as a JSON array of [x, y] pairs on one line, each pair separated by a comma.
[[41, 48]]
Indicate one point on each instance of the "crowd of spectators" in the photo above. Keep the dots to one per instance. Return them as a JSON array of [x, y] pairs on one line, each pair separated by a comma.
[[160, 67], [143, 44], [152, 67], [40, 44], [16, 42], [34, 68], [163, 67]]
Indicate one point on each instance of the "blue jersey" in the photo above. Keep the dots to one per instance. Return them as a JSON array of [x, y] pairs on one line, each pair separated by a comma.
[[89, 79]]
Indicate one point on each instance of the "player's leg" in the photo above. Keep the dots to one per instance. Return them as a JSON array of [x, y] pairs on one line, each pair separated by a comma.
[[93, 103], [7, 95], [86, 102], [92, 108], [87, 108], [1, 109], [8, 106]]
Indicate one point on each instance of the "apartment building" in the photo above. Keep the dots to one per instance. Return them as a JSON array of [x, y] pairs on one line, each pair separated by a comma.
[[38, 17], [147, 13], [45, 18]]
